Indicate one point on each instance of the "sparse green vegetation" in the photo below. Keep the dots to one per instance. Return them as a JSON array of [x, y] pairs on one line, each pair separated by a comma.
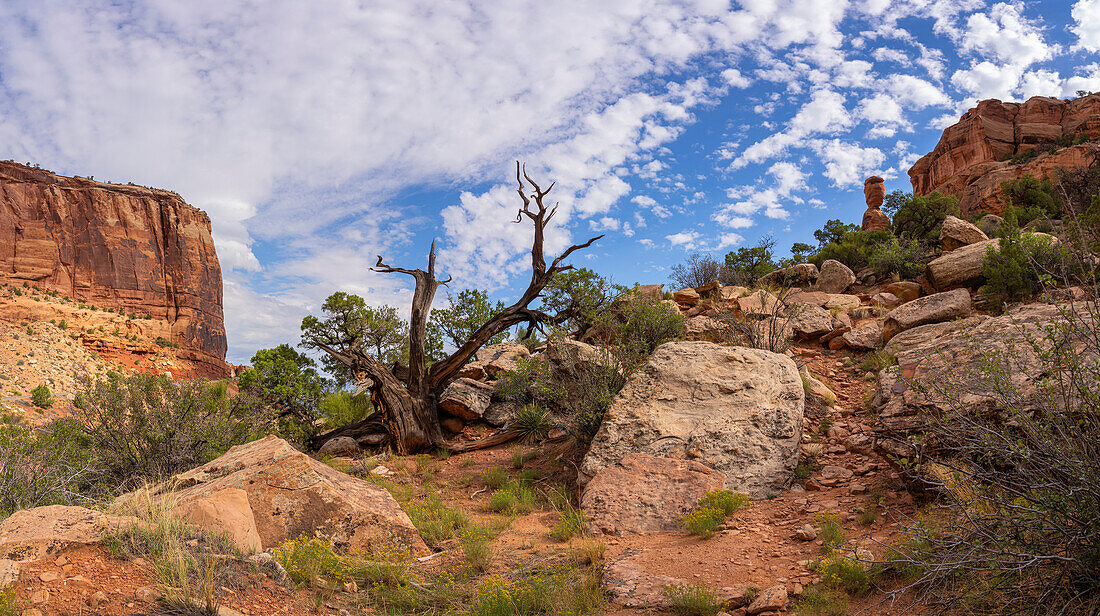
[[692, 600], [41, 396], [713, 509]]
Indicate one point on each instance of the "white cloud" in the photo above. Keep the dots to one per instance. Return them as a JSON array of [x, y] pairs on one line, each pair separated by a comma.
[[735, 79], [848, 164], [1086, 14], [823, 113], [686, 239], [1004, 34]]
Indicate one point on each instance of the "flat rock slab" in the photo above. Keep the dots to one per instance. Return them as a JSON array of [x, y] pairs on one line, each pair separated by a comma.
[[645, 494], [33, 534]]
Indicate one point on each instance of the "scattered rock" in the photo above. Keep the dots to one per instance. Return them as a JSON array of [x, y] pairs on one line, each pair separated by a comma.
[[990, 224], [570, 356], [147, 594], [835, 277], [806, 533], [904, 290], [840, 301], [40, 596], [686, 297], [97, 599], [650, 293], [500, 358], [803, 274], [886, 300], [809, 321], [700, 396], [760, 303]]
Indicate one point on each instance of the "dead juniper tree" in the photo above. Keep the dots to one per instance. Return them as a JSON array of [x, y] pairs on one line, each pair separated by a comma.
[[407, 400]]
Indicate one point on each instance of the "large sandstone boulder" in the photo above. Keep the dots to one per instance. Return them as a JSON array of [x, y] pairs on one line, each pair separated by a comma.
[[759, 303], [956, 233], [33, 534], [570, 355], [227, 512], [292, 494], [706, 328], [835, 277], [643, 493], [737, 410], [960, 267], [950, 357], [867, 336], [466, 398], [934, 308], [874, 192]]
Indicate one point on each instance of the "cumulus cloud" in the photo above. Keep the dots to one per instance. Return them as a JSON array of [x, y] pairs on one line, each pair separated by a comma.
[[1086, 15]]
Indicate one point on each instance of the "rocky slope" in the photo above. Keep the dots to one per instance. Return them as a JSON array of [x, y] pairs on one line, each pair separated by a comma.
[[142, 250], [998, 141]]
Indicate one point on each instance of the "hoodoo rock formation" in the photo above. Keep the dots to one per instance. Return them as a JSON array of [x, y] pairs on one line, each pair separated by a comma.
[[874, 191], [998, 141], [127, 247]]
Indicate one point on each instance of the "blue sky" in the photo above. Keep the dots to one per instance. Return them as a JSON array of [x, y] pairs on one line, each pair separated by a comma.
[[318, 135]]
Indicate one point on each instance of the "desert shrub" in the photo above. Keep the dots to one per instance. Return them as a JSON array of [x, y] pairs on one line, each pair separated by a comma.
[[806, 467], [553, 591], [696, 271], [51, 465], [306, 559], [1030, 199], [570, 524], [8, 604], [532, 422], [515, 498], [495, 477], [530, 381], [830, 529], [1018, 519], [1021, 265], [746, 265], [692, 600], [821, 600], [853, 249], [476, 548], [150, 427], [436, 521], [41, 397], [711, 511], [897, 257], [920, 218], [341, 408], [724, 501], [842, 571]]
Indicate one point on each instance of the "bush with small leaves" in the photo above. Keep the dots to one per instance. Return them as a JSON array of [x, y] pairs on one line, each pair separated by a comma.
[[41, 396], [692, 600]]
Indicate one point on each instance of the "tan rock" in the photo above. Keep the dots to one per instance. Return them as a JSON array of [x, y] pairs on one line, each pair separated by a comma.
[[147, 594], [759, 303], [686, 297], [702, 394], [809, 321], [643, 493], [796, 275], [835, 277], [33, 534], [770, 599], [956, 233], [650, 293], [292, 494], [904, 290], [886, 300], [341, 446], [227, 512], [929, 309], [730, 293], [815, 298], [9, 572], [840, 301], [466, 399], [571, 355], [500, 358], [874, 191], [867, 336]]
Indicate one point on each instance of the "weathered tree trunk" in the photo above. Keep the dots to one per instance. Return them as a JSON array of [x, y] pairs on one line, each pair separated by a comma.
[[410, 407]]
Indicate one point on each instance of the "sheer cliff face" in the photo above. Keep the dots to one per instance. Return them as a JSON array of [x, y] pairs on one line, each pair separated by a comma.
[[116, 246], [983, 149]]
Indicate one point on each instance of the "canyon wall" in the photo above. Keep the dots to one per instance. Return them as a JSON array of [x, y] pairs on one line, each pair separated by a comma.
[[998, 141], [128, 247]]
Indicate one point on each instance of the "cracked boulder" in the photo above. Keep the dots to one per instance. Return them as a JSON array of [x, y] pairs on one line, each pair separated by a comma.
[[735, 409]]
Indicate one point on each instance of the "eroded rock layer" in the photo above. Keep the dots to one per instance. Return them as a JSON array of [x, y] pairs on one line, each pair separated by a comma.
[[140, 249], [998, 141]]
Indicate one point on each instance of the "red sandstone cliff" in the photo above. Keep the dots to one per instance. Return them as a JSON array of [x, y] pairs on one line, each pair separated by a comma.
[[116, 246], [975, 155]]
